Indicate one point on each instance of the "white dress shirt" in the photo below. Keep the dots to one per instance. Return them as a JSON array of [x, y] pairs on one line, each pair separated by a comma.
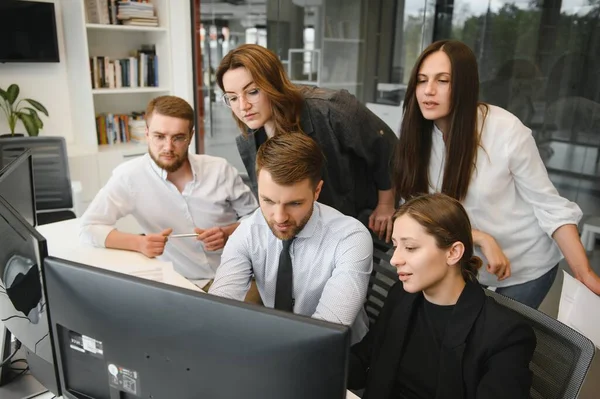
[[216, 196], [332, 258], [510, 197]]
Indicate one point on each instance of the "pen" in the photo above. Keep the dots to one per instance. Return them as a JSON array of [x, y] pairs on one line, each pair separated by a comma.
[[183, 235]]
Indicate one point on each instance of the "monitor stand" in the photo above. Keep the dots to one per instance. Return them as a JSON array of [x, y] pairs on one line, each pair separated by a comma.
[[5, 352], [23, 387]]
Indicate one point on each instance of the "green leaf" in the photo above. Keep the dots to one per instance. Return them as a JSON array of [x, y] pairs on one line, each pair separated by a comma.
[[29, 123], [3, 95], [12, 93], [36, 117], [37, 106]]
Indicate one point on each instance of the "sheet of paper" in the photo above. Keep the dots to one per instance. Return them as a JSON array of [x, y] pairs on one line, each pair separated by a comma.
[[578, 308], [154, 274], [350, 395]]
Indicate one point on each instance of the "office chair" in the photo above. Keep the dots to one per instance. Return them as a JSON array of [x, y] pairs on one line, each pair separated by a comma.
[[382, 278], [562, 356], [53, 195]]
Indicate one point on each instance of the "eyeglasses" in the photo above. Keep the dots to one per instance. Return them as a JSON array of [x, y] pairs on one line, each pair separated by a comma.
[[161, 140], [251, 96]]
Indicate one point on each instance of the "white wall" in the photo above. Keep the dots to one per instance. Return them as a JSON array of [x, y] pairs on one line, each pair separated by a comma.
[[182, 72], [46, 83], [181, 50]]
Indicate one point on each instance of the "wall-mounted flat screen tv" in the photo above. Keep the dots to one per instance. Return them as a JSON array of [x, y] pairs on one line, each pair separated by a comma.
[[28, 32]]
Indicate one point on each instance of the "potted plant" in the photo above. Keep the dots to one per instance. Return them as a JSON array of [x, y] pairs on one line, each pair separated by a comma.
[[25, 110]]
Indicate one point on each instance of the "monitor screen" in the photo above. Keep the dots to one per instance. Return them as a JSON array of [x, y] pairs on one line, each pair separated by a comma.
[[119, 336], [17, 188], [23, 309], [28, 32]]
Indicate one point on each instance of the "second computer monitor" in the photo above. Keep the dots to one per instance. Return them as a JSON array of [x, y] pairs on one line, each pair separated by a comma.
[[16, 185], [23, 307], [119, 336]]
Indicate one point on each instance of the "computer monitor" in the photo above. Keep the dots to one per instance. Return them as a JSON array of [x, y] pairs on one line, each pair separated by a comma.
[[119, 336], [23, 309], [16, 186]]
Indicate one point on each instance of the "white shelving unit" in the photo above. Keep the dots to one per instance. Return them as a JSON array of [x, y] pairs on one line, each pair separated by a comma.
[[84, 40], [342, 45], [130, 90], [92, 163], [126, 28]]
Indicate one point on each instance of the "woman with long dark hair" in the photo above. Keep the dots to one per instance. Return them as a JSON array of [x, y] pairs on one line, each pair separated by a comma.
[[483, 156], [357, 144], [438, 334]]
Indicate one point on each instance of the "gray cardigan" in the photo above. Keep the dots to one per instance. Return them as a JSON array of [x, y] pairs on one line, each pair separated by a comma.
[[357, 144]]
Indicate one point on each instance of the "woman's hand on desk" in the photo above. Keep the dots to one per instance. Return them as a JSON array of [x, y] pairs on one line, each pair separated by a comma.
[[153, 245]]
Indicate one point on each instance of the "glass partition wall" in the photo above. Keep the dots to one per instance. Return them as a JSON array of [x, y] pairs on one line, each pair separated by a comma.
[[537, 58]]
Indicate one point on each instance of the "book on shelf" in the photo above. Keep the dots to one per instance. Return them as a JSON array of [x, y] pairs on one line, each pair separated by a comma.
[[114, 129], [121, 12], [138, 70]]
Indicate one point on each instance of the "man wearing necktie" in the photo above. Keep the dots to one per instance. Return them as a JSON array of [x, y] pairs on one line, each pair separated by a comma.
[[306, 257]]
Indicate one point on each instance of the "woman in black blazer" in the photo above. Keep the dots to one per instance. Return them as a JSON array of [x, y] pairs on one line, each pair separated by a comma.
[[439, 335]]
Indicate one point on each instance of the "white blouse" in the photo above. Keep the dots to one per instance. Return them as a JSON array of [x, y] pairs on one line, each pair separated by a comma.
[[510, 197]]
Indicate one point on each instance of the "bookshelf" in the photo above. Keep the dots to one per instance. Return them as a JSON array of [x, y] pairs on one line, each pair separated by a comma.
[[131, 90], [125, 28], [86, 40], [91, 163]]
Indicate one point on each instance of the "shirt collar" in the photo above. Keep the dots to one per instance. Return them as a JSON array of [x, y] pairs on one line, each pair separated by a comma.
[[311, 225], [437, 131], [163, 174]]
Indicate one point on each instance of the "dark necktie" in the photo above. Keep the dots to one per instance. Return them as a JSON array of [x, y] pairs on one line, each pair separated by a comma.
[[285, 275]]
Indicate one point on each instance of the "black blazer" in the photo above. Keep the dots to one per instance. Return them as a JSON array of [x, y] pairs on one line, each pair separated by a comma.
[[485, 352], [357, 144]]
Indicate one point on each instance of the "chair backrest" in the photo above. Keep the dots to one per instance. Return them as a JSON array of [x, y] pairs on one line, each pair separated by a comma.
[[562, 356], [382, 278], [50, 168]]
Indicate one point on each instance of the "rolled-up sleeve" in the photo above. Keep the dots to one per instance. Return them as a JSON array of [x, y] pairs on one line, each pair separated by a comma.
[[114, 201], [525, 163], [365, 134], [345, 292], [234, 274]]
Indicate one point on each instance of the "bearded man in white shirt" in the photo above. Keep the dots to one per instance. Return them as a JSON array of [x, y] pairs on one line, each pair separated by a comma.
[[170, 191]]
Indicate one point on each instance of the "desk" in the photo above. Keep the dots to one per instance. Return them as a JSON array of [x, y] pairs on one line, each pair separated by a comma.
[[63, 242]]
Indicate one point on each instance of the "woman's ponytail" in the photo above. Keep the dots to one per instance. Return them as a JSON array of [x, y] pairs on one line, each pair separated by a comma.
[[471, 268]]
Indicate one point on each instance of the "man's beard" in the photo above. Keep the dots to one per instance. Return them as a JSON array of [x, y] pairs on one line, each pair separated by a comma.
[[169, 167], [296, 228]]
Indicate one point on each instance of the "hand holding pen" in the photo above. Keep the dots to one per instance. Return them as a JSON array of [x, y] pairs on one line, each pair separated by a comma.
[[213, 238], [153, 245]]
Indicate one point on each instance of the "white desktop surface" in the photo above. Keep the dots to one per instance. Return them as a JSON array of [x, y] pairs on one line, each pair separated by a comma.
[[63, 242]]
